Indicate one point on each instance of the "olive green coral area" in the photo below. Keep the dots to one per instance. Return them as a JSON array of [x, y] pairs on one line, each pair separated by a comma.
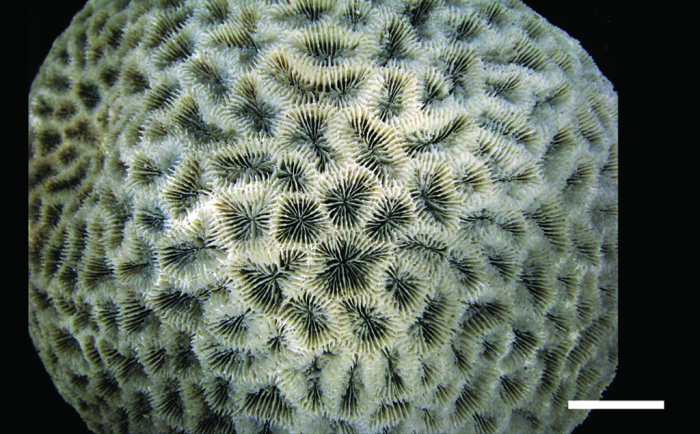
[[322, 216]]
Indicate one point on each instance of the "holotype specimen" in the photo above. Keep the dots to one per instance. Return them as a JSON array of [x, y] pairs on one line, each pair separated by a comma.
[[322, 216]]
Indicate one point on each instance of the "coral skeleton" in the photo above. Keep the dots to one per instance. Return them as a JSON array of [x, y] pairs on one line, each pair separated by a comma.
[[316, 216]]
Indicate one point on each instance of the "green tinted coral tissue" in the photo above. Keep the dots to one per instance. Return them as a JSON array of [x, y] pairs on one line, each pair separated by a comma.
[[315, 216]]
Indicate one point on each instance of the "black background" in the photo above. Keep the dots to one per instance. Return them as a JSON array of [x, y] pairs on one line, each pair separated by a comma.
[[641, 373]]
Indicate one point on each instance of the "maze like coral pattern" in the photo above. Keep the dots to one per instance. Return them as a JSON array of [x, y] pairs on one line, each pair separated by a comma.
[[322, 216]]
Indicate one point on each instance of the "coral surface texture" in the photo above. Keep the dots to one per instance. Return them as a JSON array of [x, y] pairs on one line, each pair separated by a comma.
[[315, 216]]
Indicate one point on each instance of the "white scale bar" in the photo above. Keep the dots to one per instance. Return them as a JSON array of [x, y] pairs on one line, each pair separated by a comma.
[[616, 405]]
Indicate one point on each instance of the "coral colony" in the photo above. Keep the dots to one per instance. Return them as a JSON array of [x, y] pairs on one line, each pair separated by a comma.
[[322, 216]]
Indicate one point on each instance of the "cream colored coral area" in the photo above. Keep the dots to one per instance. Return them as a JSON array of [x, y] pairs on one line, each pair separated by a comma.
[[322, 216]]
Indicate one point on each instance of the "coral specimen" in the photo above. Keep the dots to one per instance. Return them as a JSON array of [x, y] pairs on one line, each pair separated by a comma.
[[322, 216]]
